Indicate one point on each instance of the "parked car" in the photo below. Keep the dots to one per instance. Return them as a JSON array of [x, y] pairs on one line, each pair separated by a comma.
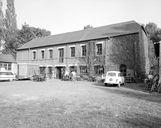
[[114, 77], [6, 75]]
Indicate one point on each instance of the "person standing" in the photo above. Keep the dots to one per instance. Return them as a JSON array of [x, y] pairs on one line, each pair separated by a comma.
[[73, 75]]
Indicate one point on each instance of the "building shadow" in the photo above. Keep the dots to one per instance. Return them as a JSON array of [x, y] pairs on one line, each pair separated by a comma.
[[141, 121], [132, 92]]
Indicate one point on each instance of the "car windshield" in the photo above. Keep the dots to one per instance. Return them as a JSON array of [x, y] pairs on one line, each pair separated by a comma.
[[120, 74], [6, 73], [111, 74]]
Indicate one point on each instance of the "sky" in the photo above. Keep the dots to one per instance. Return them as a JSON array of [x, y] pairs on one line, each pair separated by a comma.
[[60, 16]]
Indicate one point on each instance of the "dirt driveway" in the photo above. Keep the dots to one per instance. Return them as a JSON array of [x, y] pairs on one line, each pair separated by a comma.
[[67, 104]]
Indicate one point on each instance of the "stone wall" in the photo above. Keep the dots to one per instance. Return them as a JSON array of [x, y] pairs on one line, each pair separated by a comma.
[[127, 49], [122, 50], [144, 53]]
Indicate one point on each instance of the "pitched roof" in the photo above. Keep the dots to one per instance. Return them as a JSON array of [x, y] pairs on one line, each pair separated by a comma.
[[83, 35], [7, 58]]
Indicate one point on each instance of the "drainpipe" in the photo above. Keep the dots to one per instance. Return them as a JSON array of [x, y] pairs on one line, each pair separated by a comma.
[[134, 54], [66, 58]]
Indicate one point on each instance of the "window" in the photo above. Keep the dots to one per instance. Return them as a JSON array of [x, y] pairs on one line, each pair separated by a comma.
[[6, 66], [34, 55], [42, 54], [73, 68], [1, 65], [72, 51], [42, 70], [99, 70], [111, 74], [50, 53], [83, 69], [84, 50], [9, 66], [120, 74], [61, 55], [99, 49]]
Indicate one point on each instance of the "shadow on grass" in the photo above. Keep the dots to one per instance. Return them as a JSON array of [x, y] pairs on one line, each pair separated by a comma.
[[134, 92], [142, 121]]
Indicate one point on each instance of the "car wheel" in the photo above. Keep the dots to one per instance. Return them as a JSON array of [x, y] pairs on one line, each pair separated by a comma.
[[123, 83], [105, 84]]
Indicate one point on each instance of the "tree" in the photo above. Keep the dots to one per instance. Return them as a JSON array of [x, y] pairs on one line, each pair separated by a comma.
[[87, 27], [1, 15], [11, 22], [151, 28], [28, 33], [11, 43], [153, 31], [15, 39], [154, 34]]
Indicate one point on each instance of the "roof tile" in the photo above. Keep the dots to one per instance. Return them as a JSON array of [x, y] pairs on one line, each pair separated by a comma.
[[83, 35], [7, 58]]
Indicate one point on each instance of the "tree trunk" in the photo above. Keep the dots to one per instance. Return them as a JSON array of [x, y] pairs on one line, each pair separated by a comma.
[[160, 62]]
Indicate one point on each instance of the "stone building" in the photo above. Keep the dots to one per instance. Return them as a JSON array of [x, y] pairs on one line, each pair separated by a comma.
[[93, 51]]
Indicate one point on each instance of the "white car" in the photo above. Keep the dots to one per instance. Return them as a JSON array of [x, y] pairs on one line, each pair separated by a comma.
[[114, 77], [6, 75]]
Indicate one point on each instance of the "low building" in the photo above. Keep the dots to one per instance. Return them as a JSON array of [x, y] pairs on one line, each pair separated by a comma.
[[93, 51], [8, 63]]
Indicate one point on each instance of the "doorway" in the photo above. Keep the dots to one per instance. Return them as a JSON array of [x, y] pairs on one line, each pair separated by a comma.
[[123, 69], [60, 72], [50, 72], [42, 70]]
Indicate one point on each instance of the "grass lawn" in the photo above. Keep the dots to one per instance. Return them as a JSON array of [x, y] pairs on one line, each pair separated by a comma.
[[66, 104]]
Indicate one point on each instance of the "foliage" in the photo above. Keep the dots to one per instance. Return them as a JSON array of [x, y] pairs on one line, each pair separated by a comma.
[[28, 33], [153, 31], [11, 43], [156, 36], [153, 84], [90, 60], [151, 28], [87, 27], [19, 37], [10, 19]]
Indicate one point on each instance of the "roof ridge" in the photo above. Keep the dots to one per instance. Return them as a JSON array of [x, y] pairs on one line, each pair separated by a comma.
[[87, 34], [121, 23]]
